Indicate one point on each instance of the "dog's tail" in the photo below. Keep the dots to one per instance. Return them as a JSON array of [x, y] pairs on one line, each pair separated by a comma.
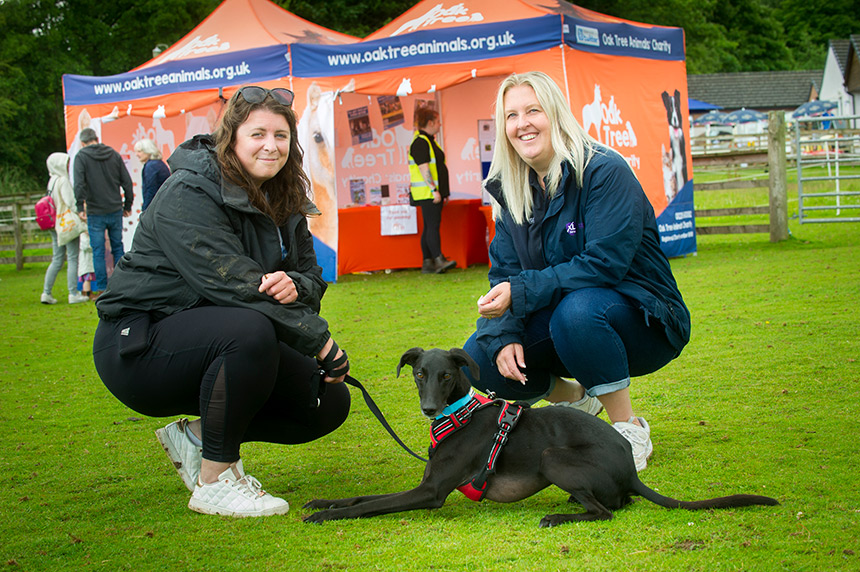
[[731, 501]]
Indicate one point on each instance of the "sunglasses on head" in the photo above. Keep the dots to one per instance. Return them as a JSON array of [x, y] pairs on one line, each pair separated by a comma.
[[256, 94]]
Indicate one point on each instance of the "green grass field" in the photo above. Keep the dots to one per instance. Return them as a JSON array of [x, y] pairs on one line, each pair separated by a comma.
[[763, 400]]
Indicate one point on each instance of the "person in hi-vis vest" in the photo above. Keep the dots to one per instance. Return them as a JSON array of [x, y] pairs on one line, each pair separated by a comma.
[[429, 188]]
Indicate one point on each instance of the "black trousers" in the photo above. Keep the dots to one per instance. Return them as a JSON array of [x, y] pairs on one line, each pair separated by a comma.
[[431, 216], [226, 365]]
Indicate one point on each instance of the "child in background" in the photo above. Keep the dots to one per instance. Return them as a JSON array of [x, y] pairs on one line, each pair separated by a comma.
[[86, 271]]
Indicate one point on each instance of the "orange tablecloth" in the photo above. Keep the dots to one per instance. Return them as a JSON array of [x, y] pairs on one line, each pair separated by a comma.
[[362, 248], [487, 211]]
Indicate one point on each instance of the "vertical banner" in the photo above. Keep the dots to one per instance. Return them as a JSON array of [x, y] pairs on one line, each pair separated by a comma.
[[316, 138], [636, 106]]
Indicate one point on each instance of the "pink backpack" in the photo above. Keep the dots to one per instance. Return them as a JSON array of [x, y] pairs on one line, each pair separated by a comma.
[[46, 213]]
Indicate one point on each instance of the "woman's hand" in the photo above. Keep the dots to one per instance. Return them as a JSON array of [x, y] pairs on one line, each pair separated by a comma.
[[279, 286], [324, 352], [495, 302], [511, 362]]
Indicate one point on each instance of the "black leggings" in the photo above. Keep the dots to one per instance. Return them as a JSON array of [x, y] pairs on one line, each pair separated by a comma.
[[226, 365], [431, 216]]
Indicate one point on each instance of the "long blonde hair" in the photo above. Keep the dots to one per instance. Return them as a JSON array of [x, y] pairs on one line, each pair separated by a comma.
[[569, 141]]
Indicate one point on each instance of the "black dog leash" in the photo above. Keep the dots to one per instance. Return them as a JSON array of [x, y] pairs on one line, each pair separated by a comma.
[[349, 380]]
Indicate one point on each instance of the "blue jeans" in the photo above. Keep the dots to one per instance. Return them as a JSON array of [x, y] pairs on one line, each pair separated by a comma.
[[97, 224], [596, 335]]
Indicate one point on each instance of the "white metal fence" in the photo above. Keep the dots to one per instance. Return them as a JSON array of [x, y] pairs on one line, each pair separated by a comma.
[[830, 156]]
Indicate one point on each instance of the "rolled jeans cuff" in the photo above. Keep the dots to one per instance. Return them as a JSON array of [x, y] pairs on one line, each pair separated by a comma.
[[605, 388]]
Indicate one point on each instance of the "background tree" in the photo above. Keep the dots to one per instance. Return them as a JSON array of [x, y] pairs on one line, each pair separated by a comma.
[[357, 18], [42, 40], [809, 24]]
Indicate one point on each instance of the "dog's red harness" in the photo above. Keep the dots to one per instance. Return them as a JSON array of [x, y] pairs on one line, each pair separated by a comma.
[[446, 425]]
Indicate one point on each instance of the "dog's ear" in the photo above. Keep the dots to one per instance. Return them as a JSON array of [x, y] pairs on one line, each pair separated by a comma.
[[409, 357], [461, 358]]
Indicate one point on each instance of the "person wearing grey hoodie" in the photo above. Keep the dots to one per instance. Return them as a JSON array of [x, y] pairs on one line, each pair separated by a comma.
[[99, 175]]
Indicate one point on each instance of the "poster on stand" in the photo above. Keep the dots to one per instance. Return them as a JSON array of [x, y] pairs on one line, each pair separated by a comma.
[[397, 220], [359, 125], [391, 110]]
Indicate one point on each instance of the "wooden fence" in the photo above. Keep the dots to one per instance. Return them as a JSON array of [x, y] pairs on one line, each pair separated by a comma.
[[734, 211], [776, 183], [20, 233]]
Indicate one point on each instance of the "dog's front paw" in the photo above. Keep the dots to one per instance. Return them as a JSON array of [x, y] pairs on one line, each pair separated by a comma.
[[319, 517], [320, 503], [551, 520]]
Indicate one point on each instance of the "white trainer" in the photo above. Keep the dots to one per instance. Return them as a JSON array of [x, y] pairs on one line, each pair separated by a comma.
[[47, 299], [588, 404], [229, 496], [78, 298], [639, 438], [185, 455]]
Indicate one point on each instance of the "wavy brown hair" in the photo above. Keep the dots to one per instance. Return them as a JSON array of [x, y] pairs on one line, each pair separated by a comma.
[[284, 194]]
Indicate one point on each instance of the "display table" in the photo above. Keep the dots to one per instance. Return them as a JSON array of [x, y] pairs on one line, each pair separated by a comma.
[[487, 211], [362, 248]]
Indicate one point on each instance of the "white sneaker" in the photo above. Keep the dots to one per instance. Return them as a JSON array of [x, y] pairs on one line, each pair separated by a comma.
[[588, 404], [240, 497], [185, 455], [639, 438], [47, 299], [78, 298]]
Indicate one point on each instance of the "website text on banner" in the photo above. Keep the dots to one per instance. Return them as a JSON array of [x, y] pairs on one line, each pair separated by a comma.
[[209, 72]]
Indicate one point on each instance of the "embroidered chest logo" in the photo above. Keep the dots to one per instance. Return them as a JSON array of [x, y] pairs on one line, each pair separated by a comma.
[[573, 227]]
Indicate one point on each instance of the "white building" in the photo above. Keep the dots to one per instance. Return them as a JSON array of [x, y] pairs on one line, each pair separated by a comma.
[[833, 84]]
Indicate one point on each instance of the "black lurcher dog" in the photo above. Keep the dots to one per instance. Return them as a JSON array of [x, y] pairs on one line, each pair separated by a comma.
[[577, 452]]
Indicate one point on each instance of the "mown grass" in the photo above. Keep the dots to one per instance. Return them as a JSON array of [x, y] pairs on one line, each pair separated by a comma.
[[763, 400]]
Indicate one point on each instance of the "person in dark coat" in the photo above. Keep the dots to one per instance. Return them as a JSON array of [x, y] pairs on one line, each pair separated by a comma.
[[154, 171], [215, 311], [579, 286], [100, 174]]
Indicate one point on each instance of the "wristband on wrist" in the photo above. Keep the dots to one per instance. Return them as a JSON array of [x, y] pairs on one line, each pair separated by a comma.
[[334, 367]]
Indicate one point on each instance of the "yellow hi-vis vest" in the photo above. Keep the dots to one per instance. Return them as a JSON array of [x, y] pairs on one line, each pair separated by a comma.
[[418, 186]]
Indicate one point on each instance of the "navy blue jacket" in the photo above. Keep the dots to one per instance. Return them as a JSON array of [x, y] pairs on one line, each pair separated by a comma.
[[153, 175], [603, 235]]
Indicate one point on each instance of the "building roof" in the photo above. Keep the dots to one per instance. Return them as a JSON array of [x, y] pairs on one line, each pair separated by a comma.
[[840, 50], [756, 90], [852, 66]]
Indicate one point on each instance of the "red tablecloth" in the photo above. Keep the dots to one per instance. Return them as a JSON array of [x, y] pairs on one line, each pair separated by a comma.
[[487, 211], [362, 248]]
